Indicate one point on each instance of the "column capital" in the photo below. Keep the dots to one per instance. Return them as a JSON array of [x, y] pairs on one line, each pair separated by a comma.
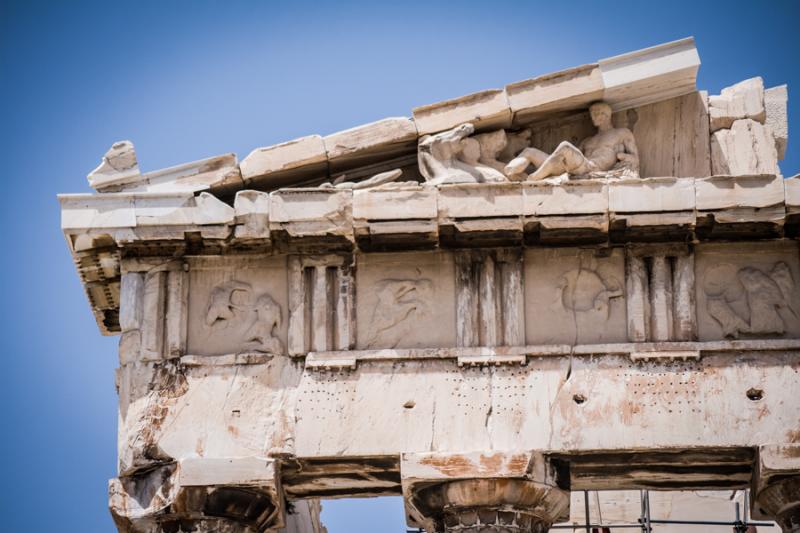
[[204, 495], [475, 492], [776, 485]]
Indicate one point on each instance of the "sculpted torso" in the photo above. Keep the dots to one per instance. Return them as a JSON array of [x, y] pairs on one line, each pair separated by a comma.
[[609, 149], [602, 148]]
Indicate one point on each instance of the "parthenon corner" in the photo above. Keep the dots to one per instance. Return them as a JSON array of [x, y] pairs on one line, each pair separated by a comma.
[[584, 281]]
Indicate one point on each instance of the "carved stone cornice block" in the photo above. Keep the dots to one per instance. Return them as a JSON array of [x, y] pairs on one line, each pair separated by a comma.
[[583, 197], [251, 215], [288, 162], [730, 192], [312, 213], [653, 195], [411, 202], [639, 77], [480, 200], [371, 143], [487, 110], [566, 90]]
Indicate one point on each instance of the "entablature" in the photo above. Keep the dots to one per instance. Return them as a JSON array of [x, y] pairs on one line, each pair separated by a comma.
[[103, 229]]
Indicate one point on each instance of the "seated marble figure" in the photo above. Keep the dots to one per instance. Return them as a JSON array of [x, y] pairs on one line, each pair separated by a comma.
[[610, 151]]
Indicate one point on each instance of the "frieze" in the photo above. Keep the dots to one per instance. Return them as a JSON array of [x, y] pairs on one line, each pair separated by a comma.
[[485, 297]]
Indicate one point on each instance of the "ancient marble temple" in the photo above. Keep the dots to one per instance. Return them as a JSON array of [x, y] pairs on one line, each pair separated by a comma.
[[588, 280]]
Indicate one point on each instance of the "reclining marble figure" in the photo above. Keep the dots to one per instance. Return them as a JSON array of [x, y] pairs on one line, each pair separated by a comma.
[[611, 150], [453, 156], [378, 180], [438, 157]]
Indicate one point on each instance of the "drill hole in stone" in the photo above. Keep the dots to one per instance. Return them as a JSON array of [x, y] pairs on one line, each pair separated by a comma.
[[579, 398], [410, 404], [754, 394]]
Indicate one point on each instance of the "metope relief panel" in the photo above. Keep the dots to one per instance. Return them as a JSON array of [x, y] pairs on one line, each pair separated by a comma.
[[405, 300], [748, 291], [237, 305], [574, 296]]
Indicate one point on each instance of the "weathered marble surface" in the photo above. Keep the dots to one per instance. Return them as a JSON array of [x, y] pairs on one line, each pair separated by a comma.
[[396, 309]]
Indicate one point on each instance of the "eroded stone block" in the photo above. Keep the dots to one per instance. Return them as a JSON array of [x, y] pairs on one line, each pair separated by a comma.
[[251, 210], [745, 100], [118, 167], [574, 296], [746, 148], [775, 103], [312, 212]]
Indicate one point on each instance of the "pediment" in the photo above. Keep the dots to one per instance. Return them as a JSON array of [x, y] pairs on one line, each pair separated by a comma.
[[684, 166]]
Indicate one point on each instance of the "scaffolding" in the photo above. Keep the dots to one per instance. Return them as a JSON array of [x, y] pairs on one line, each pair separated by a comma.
[[740, 524]]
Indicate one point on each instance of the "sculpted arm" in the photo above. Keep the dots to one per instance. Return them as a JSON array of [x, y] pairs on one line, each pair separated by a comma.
[[631, 153]]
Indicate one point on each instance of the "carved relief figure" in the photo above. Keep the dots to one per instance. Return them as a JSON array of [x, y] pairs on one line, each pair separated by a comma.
[[491, 144], [583, 290], [439, 160], [611, 150], [515, 143], [228, 301], [750, 301], [378, 180], [472, 154], [458, 156], [400, 304], [260, 337], [234, 310]]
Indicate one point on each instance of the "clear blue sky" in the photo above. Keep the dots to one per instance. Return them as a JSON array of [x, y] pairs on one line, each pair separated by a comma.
[[186, 80]]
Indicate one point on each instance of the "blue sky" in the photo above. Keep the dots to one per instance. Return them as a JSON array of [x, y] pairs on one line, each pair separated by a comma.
[[186, 80]]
